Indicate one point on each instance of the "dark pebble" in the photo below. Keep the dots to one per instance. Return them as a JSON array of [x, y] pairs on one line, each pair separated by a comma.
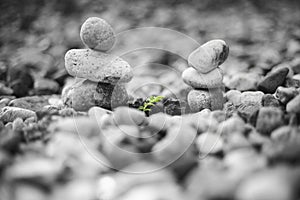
[[247, 112], [268, 119], [270, 100], [274, 79], [21, 82]]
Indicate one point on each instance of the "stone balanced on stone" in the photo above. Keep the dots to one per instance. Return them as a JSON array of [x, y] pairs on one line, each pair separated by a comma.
[[103, 74], [205, 76]]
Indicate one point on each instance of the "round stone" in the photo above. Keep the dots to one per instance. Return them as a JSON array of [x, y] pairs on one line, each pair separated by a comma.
[[97, 66], [97, 34], [209, 56], [201, 99], [195, 79], [86, 94]]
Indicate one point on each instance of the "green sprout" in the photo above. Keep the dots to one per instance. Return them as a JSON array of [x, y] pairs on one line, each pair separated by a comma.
[[151, 101]]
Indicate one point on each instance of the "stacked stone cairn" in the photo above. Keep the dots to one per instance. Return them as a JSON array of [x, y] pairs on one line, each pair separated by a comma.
[[205, 76], [103, 74]]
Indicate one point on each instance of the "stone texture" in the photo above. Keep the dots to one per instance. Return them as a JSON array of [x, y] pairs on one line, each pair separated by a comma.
[[195, 79], [97, 34], [9, 114], [270, 83], [268, 119], [270, 100], [97, 66], [284, 95], [86, 94], [252, 97], [209, 56], [34, 103], [201, 99], [233, 96]]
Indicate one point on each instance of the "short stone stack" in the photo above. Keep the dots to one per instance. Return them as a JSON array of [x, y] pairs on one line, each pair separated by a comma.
[[104, 74], [205, 76]]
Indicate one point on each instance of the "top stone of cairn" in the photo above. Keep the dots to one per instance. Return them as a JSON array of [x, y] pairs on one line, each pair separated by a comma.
[[97, 34], [209, 56]]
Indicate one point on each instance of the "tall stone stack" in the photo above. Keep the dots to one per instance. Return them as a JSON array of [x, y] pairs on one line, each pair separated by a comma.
[[103, 74], [205, 76]]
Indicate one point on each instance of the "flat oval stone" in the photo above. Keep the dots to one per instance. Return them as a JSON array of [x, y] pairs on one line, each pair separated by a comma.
[[270, 83], [9, 114], [201, 99], [195, 79], [97, 34], [209, 56], [97, 66], [86, 94]]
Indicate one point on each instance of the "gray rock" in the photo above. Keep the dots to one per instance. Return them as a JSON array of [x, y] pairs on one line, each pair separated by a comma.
[[234, 124], [97, 34], [18, 124], [86, 94], [195, 79], [270, 100], [233, 96], [209, 56], [284, 95], [248, 111], [201, 99], [9, 114], [243, 81], [270, 83], [252, 98], [34, 103], [293, 106], [268, 119], [285, 134], [97, 66]]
